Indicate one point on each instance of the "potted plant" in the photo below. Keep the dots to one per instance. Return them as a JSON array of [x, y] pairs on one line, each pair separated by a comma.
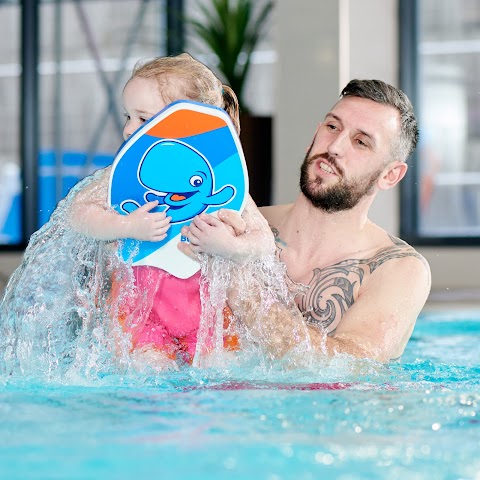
[[231, 30]]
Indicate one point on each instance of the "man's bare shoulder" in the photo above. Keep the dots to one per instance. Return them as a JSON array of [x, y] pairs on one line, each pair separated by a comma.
[[394, 260], [275, 213], [395, 250], [335, 287], [402, 264]]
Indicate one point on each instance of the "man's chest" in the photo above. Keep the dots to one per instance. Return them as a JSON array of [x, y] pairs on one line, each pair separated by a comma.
[[326, 293]]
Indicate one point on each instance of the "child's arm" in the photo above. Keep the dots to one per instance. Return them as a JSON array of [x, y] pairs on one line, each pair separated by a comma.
[[91, 216]]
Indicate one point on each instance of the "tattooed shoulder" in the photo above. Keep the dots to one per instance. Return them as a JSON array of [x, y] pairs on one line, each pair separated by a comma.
[[332, 290], [399, 249]]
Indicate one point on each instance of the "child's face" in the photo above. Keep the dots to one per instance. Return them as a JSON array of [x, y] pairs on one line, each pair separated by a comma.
[[142, 100]]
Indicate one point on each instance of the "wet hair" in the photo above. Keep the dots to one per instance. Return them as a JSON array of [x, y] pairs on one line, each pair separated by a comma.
[[181, 76], [386, 94]]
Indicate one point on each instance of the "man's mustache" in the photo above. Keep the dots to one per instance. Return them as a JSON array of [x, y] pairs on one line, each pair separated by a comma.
[[325, 156]]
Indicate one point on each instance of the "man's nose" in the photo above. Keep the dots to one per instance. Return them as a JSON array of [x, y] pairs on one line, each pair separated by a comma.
[[339, 145]]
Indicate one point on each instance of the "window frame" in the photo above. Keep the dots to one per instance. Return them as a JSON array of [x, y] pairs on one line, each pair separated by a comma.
[[29, 143], [409, 65]]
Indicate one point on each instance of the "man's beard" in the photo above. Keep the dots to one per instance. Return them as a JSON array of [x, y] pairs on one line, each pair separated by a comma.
[[342, 196]]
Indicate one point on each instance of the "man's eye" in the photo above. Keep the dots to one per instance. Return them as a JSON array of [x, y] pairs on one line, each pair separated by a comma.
[[127, 116], [331, 127], [361, 143]]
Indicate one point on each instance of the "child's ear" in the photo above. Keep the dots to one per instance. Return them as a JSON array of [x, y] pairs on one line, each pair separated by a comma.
[[392, 174]]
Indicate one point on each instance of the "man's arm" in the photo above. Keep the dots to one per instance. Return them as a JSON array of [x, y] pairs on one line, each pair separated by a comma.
[[378, 325], [380, 322]]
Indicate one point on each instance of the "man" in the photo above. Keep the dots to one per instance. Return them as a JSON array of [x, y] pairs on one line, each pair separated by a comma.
[[365, 288]]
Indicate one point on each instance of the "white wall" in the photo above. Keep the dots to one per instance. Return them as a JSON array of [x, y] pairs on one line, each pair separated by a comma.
[[307, 83], [374, 54], [321, 44]]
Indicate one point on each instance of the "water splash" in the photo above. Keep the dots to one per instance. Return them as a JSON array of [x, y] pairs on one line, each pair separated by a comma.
[[53, 319], [59, 315]]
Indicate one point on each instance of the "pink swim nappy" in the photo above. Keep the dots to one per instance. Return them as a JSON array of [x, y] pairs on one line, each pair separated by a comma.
[[164, 313]]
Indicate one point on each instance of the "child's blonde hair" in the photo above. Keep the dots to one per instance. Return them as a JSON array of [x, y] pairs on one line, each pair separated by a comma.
[[182, 76]]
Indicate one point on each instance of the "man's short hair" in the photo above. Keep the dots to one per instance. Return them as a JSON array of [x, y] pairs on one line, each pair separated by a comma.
[[386, 94]]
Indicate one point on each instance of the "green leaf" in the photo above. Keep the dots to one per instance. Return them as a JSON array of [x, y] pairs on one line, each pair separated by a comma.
[[229, 29]]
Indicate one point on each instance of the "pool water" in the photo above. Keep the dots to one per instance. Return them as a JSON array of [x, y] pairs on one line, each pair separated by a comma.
[[418, 419]]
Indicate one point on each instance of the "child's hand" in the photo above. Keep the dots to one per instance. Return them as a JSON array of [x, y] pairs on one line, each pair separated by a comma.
[[143, 224]]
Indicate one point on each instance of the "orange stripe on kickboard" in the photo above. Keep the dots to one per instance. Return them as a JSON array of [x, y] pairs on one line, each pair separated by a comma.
[[186, 123]]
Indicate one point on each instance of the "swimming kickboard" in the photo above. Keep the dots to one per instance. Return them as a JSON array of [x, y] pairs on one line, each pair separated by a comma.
[[189, 158]]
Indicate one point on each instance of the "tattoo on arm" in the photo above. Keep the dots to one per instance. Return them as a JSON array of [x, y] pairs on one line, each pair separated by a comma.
[[333, 290]]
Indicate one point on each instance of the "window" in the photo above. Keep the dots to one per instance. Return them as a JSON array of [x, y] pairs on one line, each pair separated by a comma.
[[10, 201], [86, 51], [441, 73]]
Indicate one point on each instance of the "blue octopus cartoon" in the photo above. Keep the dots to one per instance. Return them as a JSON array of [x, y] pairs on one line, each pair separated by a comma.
[[180, 178]]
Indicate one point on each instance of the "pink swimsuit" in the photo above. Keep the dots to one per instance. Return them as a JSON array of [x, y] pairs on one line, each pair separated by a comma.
[[165, 313], [172, 323]]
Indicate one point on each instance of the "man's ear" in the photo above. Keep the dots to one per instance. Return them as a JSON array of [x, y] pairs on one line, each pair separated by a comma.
[[392, 174]]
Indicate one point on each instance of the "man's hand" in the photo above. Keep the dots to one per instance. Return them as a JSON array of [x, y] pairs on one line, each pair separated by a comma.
[[233, 222], [208, 234]]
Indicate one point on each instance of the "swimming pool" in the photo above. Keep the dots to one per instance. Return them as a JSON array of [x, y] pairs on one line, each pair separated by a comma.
[[419, 419]]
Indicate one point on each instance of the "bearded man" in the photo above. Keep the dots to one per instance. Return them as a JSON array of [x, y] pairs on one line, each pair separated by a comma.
[[364, 287]]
